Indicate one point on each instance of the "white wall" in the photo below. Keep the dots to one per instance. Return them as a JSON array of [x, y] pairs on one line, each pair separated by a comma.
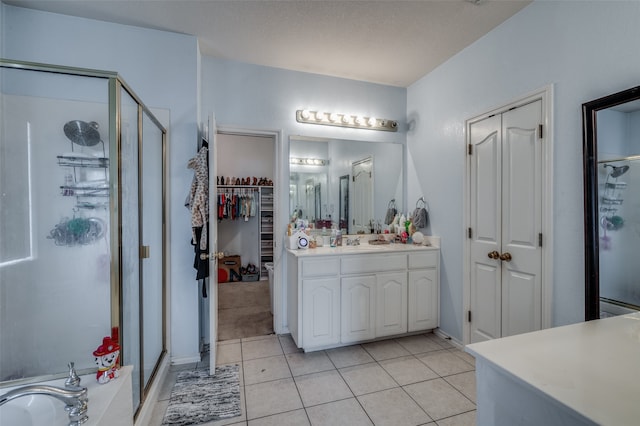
[[162, 68], [585, 49], [257, 97]]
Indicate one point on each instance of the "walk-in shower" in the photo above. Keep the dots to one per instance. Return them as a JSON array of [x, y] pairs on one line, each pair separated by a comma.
[[82, 226]]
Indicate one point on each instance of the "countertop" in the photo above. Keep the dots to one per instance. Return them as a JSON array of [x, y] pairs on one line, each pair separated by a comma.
[[591, 367], [366, 248]]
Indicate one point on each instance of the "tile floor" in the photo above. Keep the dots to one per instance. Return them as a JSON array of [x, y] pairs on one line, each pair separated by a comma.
[[415, 380]]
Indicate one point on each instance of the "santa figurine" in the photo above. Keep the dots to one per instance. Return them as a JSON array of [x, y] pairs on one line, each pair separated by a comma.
[[108, 360]]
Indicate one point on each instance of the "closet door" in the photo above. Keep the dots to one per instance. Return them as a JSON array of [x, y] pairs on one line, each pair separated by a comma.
[[506, 221], [521, 254], [213, 247], [362, 172], [486, 229]]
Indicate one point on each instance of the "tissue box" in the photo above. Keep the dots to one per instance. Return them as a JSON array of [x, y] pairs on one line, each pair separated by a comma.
[[229, 269]]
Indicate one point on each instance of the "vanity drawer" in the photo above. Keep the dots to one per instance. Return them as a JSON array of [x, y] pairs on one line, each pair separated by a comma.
[[423, 260], [320, 267], [373, 263]]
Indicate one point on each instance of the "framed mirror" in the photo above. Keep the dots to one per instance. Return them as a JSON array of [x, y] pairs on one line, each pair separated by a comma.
[[329, 162], [611, 157], [344, 202]]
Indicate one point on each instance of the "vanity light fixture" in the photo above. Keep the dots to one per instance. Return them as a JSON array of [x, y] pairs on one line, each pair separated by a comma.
[[345, 120], [308, 161]]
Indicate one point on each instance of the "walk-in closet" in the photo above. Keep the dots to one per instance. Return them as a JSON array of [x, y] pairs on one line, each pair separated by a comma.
[[244, 207]]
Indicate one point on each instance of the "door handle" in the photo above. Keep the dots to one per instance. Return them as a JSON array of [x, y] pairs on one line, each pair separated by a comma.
[[493, 255], [506, 257], [217, 255]]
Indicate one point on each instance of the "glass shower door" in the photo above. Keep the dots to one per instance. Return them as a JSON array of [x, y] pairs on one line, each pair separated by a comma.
[[55, 278], [130, 234], [153, 257]]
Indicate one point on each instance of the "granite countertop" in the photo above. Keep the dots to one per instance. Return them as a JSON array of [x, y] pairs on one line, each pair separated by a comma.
[[591, 367]]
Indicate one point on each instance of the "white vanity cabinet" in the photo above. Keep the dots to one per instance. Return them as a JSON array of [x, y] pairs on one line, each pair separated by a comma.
[[358, 310], [343, 296], [424, 286], [391, 304], [320, 301]]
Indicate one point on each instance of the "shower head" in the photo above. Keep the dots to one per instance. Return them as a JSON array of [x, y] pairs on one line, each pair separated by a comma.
[[617, 171]]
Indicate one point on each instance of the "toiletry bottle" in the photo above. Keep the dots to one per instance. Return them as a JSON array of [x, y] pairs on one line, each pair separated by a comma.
[[325, 236], [338, 238], [333, 239]]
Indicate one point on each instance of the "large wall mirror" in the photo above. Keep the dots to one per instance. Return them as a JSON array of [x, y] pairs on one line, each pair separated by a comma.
[[611, 136], [325, 190]]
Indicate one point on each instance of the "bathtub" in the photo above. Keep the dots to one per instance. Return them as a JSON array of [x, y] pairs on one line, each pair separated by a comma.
[[109, 404]]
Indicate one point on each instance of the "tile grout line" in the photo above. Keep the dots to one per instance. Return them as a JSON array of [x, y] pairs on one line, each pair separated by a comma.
[[294, 381], [403, 389]]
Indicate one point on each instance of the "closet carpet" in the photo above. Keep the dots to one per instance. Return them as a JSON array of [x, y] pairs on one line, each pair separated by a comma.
[[243, 310]]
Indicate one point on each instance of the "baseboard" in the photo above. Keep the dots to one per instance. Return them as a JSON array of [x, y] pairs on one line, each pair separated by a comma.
[[455, 342], [146, 411], [185, 360]]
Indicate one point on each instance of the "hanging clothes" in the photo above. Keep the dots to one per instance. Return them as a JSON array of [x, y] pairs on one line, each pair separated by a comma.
[[199, 196], [201, 265], [198, 204]]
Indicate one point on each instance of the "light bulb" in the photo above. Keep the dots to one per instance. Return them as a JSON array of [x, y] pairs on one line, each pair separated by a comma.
[[305, 114], [333, 117], [359, 121], [372, 121], [320, 116], [346, 119]]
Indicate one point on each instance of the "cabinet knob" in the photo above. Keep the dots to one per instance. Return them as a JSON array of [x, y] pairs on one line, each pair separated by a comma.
[[506, 257]]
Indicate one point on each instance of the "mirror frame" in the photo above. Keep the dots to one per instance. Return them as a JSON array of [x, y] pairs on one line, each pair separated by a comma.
[[590, 163], [343, 201]]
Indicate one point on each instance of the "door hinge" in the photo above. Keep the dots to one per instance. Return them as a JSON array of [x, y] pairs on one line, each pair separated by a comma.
[[540, 131], [470, 149], [468, 316], [540, 239], [469, 233]]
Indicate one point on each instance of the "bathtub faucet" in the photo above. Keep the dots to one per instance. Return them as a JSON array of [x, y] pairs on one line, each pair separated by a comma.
[[75, 399]]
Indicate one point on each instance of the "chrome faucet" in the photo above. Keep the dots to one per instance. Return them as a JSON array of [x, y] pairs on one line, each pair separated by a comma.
[[73, 381], [75, 399], [354, 242]]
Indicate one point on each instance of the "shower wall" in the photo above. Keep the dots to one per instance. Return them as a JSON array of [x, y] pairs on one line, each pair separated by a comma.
[[48, 290]]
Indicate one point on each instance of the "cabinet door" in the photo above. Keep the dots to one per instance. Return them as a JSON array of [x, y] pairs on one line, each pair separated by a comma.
[[321, 312], [358, 308], [423, 299], [391, 304]]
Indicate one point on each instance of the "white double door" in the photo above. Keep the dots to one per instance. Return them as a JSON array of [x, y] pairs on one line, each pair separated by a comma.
[[505, 223]]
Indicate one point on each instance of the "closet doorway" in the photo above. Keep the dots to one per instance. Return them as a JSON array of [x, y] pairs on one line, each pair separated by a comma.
[[507, 208], [246, 174]]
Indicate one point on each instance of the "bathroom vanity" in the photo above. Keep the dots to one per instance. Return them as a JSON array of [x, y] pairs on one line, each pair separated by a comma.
[[344, 295], [579, 374]]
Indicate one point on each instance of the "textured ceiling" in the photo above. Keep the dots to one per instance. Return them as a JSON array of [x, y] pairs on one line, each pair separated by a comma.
[[388, 42]]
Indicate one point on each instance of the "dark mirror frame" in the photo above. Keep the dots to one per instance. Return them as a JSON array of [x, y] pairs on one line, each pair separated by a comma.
[[591, 231], [318, 200], [343, 213]]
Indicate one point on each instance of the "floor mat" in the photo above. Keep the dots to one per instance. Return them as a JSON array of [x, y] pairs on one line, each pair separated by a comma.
[[198, 398]]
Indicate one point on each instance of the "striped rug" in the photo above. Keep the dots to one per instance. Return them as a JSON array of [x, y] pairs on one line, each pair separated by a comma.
[[198, 398]]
